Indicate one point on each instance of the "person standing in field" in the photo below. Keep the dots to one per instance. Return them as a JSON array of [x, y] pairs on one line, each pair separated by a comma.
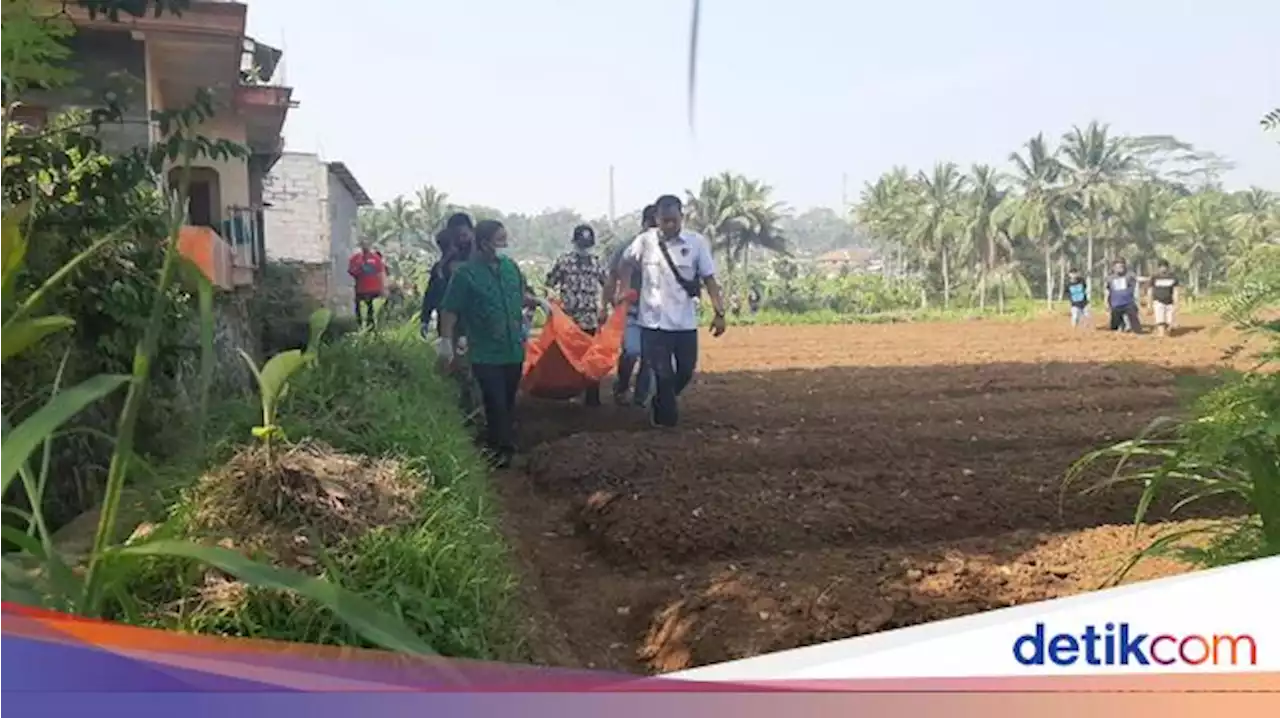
[[1122, 299], [631, 356], [674, 265], [579, 278], [1164, 291], [1077, 292], [370, 274], [486, 298]]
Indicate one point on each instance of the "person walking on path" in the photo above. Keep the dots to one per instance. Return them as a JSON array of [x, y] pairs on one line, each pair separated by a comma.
[[370, 274], [630, 359], [674, 264], [455, 247], [1077, 292], [579, 278], [454, 242], [1122, 299], [486, 298], [1164, 293]]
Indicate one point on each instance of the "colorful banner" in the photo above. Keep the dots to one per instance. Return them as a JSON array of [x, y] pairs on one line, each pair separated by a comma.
[[1208, 642]]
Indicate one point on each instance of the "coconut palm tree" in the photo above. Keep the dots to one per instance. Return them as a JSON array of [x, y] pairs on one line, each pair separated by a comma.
[[736, 214], [939, 223], [985, 196], [432, 208], [1036, 211], [1093, 162], [1199, 227], [1255, 221]]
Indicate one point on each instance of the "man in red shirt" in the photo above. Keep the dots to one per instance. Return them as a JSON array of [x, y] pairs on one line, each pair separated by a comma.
[[370, 273]]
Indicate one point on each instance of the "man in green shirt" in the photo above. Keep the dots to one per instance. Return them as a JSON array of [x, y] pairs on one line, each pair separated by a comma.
[[486, 298]]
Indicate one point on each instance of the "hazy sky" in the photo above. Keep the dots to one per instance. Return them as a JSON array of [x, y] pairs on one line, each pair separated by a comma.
[[524, 104]]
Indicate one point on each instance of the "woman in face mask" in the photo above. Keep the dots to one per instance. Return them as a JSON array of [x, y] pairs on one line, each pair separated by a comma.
[[579, 277], [486, 298]]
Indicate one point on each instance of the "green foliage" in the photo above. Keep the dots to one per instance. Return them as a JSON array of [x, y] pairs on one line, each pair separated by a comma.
[[273, 376], [446, 574], [1092, 199]]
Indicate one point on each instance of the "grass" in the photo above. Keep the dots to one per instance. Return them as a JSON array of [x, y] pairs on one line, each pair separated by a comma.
[[446, 573]]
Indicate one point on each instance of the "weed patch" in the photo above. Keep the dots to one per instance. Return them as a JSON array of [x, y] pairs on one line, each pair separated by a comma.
[[383, 494]]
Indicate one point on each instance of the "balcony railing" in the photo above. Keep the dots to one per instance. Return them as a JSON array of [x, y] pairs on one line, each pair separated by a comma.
[[242, 229], [230, 254]]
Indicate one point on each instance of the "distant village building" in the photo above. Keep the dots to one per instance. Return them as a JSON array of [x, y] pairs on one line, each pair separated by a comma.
[[845, 260]]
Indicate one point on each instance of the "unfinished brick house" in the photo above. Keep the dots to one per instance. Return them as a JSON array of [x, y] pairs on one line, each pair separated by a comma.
[[310, 222]]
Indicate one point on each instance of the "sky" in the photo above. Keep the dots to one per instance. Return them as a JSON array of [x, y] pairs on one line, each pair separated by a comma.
[[524, 105]]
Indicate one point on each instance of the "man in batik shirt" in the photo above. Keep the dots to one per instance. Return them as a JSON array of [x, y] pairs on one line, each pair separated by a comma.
[[579, 278]]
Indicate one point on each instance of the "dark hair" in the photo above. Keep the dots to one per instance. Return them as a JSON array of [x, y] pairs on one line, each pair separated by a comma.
[[445, 239], [486, 229], [649, 216], [668, 201], [459, 219], [584, 231]]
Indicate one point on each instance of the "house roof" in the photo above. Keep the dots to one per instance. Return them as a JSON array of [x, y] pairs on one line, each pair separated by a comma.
[[846, 255], [348, 180]]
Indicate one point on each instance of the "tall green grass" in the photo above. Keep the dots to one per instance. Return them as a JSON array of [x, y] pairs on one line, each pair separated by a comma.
[[447, 575]]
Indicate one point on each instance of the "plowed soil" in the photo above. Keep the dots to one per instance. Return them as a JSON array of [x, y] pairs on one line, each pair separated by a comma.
[[831, 481]]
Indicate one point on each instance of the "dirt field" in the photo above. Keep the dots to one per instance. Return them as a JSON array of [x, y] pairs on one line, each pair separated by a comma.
[[833, 481]]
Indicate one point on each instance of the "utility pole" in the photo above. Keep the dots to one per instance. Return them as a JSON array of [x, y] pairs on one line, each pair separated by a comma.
[[613, 216]]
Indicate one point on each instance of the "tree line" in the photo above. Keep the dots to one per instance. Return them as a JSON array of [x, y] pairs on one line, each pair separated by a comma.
[[739, 215], [1082, 202]]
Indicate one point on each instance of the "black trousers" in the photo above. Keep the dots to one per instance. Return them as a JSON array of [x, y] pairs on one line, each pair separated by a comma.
[[1120, 316], [673, 357], [366, 301], [499, 384]]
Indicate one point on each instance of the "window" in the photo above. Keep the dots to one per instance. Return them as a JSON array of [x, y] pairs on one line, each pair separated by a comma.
[[203, 207]]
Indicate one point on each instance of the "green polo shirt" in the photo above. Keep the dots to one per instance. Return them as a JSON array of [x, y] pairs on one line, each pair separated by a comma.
[[489, 302]]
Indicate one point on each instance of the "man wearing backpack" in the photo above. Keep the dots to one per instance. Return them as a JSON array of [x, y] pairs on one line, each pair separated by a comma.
[[674, 264]]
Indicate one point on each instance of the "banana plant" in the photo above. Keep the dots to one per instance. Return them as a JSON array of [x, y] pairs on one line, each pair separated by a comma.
[[273, 377]]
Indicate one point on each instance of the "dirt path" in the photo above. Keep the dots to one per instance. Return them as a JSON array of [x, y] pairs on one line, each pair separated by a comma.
[[831, 481]]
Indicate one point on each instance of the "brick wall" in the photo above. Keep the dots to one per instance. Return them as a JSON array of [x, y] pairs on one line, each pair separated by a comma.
[[343, 240], [296, 223], [311, 221]]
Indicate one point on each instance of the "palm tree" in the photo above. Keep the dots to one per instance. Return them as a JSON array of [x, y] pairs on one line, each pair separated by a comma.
[[1255, 221], [1036, 213], [431, 210], [736, 214], [938, 225], [1092, 162], [985, 196], [1140, 221], [1199, 225]]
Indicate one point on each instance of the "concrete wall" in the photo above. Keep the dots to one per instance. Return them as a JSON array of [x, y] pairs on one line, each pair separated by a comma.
[[342, 220], [233, 174], [297, 222], [311, 221], [105, 62]]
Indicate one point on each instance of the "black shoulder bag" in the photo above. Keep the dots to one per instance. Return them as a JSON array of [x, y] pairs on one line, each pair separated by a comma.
[[692, 287]]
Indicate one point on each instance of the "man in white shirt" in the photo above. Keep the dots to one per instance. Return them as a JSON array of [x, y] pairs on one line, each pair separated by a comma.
[[671, 282]]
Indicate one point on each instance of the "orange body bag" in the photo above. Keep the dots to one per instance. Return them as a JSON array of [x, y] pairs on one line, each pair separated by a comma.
[[563, 361]]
